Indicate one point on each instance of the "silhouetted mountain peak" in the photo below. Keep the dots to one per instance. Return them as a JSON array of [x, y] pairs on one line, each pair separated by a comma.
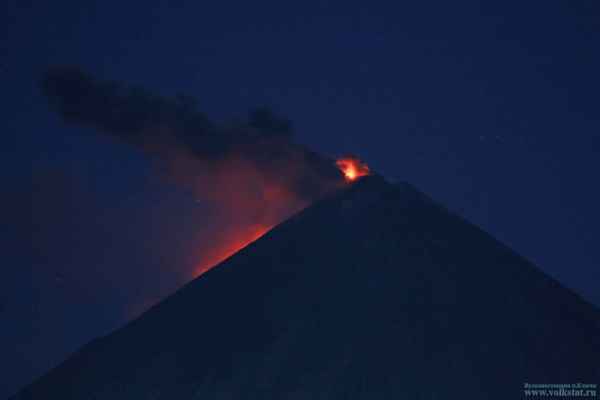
[[373, 292]]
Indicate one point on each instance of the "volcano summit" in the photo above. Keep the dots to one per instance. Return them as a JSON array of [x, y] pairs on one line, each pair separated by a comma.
[[373, 292]]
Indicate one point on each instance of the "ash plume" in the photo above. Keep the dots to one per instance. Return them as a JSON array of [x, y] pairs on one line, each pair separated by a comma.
[[166, 127], [252, 172]]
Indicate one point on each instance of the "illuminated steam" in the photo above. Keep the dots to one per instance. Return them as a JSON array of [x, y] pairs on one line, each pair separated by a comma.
[[252, 172]]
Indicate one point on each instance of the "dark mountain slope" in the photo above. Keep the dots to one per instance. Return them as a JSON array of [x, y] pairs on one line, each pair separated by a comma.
[[375, 292]]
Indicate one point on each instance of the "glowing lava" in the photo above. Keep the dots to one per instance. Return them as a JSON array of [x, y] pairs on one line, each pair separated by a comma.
[[235, 241], [352, 167], [254, 203]]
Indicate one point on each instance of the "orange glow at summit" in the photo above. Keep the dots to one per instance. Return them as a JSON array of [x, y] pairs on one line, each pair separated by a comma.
[[257, 206], [352, 168]]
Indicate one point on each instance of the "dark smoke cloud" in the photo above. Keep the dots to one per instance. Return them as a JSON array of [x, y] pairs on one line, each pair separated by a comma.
[[251, 173], [195, 150]]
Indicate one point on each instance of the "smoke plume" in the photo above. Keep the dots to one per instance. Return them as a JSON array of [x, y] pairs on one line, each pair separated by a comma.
[[252, 171]]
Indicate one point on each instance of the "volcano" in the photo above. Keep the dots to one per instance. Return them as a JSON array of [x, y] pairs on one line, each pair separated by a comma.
[[375, 291]]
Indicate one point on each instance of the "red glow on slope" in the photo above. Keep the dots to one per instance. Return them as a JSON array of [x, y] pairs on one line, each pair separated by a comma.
[[243, 203], [236, 241], [353, 168], [244, 200]]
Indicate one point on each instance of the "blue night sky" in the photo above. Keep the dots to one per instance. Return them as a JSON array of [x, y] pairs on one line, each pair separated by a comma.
[[490, 108]]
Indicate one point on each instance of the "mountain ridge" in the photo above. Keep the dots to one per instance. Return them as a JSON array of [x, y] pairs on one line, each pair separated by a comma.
[[374, 291]]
